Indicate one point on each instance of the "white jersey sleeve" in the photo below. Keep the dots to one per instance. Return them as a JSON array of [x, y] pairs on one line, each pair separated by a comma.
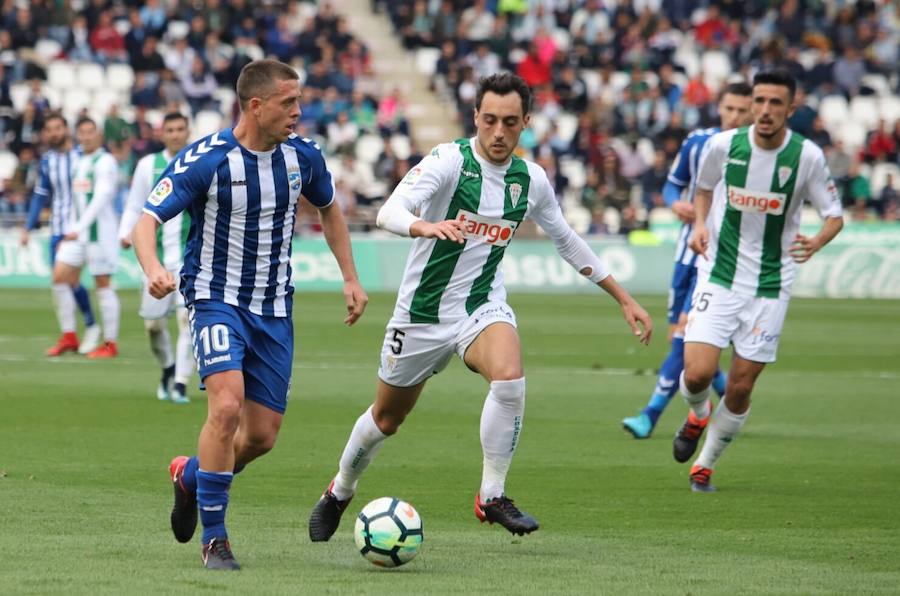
[[544, 210], [106, 184], [141, 185], [430, 177], [820, 189], [712, 160]]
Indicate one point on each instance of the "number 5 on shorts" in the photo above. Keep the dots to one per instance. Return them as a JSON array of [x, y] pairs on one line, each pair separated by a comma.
[[214, 338], [701, 302], [397, 346]]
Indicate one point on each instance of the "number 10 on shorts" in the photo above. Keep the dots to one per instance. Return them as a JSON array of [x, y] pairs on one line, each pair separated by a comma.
[[214, 338]]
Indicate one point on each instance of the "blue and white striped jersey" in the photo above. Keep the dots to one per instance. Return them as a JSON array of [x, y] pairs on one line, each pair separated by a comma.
[[54, 184], [242, 205], [683, 174]]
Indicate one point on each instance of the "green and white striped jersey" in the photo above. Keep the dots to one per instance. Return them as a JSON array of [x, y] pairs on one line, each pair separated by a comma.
[[755, 211], [446, 281], [94, 186], [172, 235]]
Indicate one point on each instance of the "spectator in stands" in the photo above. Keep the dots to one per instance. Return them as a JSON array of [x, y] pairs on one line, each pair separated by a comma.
[[614, 190], [849, 71], [712, 31], [418, 30], [362, 113], [153, 15], [136, 36], [115, 128], [280, 40], [476, 22], [571, 90], [889, 199], [61, 16], [78, 46], [804, 114], [18, 187], [483, 61], [144, 94], [199, 86], [196, 36], [180, 58], [859, 192], [107, 43], [534, 69], [820, 78], [819, 134], [652, 181], [25, 129], [219, 57], [23, 30], [880, 145], [170, 91], [149, 59], [445, 22]]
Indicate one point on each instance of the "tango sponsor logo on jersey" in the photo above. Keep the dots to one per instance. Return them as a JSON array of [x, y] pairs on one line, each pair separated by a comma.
[[756, 201], [490, 230], [162, 190]]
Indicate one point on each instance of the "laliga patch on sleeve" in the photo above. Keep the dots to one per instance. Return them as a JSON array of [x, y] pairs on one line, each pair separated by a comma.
[[412, 176], [162, 190]]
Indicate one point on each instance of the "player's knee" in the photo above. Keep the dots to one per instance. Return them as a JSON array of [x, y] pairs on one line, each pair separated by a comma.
[[696, 378], [182, 318], [259, 444], [153, 326], [511, 371], [387, 421], [740, 387], [509, 391], [225, 414]]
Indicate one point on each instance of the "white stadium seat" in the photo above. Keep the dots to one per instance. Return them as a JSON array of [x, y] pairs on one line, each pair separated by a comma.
[[833, 110], [716, 66], [90, 76], [154, 118], [864, 109], [20, 93], [566, 126], [8, 163], [573, 170], [889, 109], [178, 29], [426, 60], [368, 148], [105, 98], [75, 99], [48, 49], [401, 146], [206, 122], [591, 80], [61, 74], [120, 76], [539, 124], [853, 134]]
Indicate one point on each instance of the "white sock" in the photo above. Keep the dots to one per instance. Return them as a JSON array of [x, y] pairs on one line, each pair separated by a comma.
[[65, 307], [722, 429], [697, 402], [501, 424], [365, 441], [109, 312], [184, 350], [160, 342]]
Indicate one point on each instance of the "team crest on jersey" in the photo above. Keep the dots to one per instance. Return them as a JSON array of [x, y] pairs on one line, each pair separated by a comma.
[[515, 192], [162, 190], [784, 174], [295, 180]]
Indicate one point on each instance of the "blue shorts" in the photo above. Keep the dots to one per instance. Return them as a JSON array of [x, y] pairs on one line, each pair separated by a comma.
[[227, 337], [684, 278]]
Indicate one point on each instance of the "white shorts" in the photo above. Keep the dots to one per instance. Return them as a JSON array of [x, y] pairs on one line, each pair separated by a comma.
[[412, 352], [102, 258], [720, 316], [151, 308]]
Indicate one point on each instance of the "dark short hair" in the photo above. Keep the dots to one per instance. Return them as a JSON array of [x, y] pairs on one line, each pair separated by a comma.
[[85, 120], [55, 116], [258, 77], [777, 77], [175, 116], [504, 83], [740, 88]]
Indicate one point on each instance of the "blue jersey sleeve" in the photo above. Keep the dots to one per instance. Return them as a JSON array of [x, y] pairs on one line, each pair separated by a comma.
[[42, 192], [185, 180], [680, 172], [318, 187]]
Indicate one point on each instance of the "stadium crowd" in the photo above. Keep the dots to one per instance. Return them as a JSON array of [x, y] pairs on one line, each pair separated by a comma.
[[618, 85]]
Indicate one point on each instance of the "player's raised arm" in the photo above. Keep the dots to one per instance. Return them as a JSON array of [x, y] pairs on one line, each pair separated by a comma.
[[575, 251]]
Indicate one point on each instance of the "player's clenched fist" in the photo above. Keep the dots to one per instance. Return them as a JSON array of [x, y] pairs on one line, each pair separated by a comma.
[[161, 283]]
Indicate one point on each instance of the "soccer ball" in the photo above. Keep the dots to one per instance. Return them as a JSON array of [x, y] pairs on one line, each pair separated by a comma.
[[388, 532]]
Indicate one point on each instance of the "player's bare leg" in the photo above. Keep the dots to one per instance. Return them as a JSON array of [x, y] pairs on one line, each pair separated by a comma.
[[727, 421], [497, 356], [381, 420], [256, 433], [701, 361], [65, 277]]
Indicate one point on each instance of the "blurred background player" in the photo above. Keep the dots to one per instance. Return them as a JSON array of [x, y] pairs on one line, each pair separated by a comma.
[[750, 188], [471, 195], [91, 237], [54, 187], [734, 111], [241, 186], [149, 169]]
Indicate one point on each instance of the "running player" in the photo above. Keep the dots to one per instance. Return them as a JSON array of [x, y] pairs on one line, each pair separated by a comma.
[[750, 189], [54, 187], [90, 237], [471, 197], [241, 187], [178, 366], [734, 111]]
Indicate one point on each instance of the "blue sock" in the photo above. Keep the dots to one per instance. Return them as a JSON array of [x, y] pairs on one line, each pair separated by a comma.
[[189, 475], [667, 384], [719, 381], [84, 305], [212, 499]]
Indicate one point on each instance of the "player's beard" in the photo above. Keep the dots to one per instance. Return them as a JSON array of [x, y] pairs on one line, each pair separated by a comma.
[[773, 134]]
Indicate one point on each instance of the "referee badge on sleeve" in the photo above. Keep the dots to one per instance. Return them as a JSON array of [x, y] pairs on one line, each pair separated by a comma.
[[162, 190]]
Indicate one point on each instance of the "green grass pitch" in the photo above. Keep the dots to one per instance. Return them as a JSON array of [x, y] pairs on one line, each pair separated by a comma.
[[809, 497]]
